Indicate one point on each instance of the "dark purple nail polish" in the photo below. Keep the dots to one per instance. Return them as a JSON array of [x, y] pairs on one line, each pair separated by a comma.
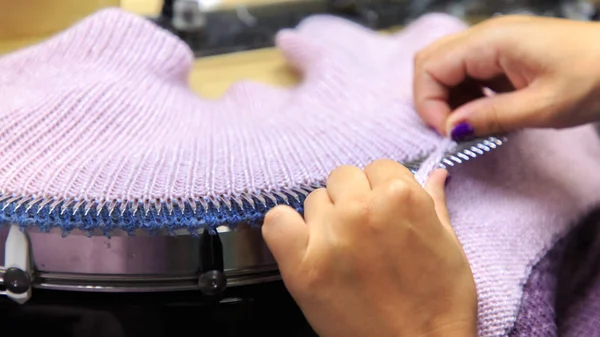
[[462, 132]]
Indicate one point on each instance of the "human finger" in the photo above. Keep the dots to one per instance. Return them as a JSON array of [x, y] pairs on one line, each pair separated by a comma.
[[316, 204], [451, 64], [347, 182], [435, 186], [383, 171], [286, 234], [500, 113]]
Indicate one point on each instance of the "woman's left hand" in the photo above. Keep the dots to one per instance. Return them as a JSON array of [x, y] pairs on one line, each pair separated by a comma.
[[375, 255]]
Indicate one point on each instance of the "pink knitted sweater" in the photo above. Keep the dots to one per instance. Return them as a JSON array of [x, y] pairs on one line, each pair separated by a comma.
[[99, 130]]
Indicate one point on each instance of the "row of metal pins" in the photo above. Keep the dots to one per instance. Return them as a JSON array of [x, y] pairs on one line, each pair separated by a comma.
[[474, 151], [219, 202], [62, 205]]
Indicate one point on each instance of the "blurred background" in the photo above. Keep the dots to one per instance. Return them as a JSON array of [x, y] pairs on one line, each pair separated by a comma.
[[232, 39]]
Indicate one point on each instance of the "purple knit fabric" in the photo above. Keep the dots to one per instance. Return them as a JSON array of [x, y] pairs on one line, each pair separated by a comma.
[[562, 294], [103, 113], [537, 315]]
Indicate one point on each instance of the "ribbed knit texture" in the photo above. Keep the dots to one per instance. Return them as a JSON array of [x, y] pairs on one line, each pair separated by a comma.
[[102, 114]]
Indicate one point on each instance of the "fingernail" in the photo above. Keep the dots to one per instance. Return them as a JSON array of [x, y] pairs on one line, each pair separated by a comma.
[[462, 132]]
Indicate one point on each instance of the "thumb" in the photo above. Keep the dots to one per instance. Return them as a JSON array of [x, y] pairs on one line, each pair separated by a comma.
[[286, 235], [500, 113], [435, 187]]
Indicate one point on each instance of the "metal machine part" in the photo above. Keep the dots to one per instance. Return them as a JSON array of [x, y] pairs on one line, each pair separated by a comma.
[[475, 8], [143, 263], [463, 152], [17, 278], [188, 16], [212, 281], [582, 10], [210, 262], [212, 30]]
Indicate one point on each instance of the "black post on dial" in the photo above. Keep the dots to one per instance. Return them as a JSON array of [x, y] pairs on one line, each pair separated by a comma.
[[212, 281], [16, 281]]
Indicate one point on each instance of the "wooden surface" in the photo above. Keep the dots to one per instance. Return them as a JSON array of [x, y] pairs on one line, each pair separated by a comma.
[[26, 18], [152, 7], [211, 76]]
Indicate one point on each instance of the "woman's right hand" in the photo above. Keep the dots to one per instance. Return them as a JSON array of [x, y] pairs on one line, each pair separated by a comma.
[[544, 72]]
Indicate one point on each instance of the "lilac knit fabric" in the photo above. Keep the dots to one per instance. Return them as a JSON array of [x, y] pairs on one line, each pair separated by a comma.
[[102, 113], [107, 113]]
